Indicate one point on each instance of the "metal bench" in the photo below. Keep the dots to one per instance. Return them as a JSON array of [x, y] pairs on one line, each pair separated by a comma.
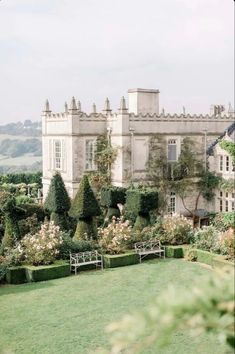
[[84, 258], [143, 249]]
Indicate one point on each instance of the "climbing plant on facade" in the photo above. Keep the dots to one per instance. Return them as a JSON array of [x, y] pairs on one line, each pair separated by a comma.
[[228, 146], [105, 155]]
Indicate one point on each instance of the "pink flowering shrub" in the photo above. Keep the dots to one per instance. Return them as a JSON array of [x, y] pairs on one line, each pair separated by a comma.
[[176, 230], [114, 238], [43, 246]]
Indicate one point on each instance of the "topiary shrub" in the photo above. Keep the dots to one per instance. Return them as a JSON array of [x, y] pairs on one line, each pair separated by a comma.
[[57, 202], [140, 202], [11, 214], [84, 208], [110, 198]]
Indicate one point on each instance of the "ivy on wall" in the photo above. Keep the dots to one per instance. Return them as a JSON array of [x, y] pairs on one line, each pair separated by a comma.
[[228, 146], [105, 155]]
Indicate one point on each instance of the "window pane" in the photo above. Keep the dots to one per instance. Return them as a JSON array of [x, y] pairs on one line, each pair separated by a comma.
[[89, 155], [57, 155], [172, 152]]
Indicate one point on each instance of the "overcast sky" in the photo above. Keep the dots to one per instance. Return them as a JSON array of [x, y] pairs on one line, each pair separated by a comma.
[[96, 48]]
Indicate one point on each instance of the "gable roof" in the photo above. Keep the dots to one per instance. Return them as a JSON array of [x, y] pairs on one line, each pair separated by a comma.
[[228, 131]]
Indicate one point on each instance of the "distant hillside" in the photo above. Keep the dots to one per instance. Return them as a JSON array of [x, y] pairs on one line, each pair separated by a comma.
[[20, 147], [28, 128]]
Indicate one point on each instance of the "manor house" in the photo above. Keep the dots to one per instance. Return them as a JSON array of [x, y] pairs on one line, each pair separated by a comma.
[[69, 138]]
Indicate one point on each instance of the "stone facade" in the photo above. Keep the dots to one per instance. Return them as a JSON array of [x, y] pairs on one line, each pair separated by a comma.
[[69, 137], [220, 162]]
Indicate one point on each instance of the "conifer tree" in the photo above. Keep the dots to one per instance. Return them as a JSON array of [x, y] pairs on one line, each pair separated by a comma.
[[84, 208], [57, 202]]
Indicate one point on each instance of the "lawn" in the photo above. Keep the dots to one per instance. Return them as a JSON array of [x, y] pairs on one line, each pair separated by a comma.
[[69, 315]]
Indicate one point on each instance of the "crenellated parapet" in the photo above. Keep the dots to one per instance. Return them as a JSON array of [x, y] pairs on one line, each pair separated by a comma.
[[180, 117]]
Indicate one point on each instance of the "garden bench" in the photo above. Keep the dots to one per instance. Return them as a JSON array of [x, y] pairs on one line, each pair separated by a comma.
[[143, 249], [84, 258]]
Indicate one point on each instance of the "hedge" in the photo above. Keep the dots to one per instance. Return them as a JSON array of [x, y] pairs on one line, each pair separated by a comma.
[[16, 275], [174, 251], [120, 260], [47, 272], [212, 259]]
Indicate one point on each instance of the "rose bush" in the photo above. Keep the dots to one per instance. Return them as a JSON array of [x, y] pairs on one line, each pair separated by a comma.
[[114, 238], [176, 230], [42, 247]]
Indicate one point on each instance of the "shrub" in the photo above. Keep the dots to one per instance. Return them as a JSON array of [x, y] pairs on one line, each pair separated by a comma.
[[206, 239], [176, 230], [113, 261], [223, 221], [3, 268], [29, 225], [24, 199], [11, 214], [46, 272], [110, 198], [69, 245], [139, 203], [57, 202], [84, 207], [31, 209], [42, 247], [227, 243], [114, 238]]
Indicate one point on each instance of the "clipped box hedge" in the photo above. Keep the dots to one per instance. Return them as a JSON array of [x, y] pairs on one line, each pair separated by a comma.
[[16, 275], [120, 260], [212, 259], [47, 272], [174, 251]]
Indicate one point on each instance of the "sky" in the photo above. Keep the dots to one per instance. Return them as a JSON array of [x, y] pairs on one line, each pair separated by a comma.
[[93, 49]]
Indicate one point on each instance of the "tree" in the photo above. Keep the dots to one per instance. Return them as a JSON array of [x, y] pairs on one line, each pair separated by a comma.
[[84, 208], [11, 214], [57, 202]]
